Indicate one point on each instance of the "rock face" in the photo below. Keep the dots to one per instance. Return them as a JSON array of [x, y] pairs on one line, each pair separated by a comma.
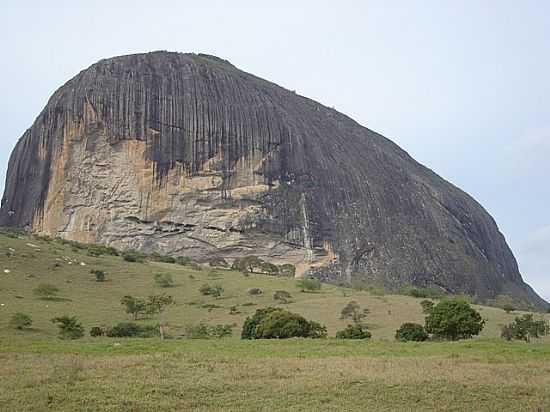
[[185, 154]]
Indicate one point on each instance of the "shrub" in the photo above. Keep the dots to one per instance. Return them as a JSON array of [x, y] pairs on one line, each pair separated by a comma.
[[217, 261], [254, 291], [269, 268], [353, 311], [96, 331], [453, 320], [199, 331], [155, 257], [164, 280], [270, 323], [129, 329], [430, 293], [309, 284], [427, 306], [411, 332], [208, 290], [133, 256], [282, 295], [233, 310], [248, 264], [46, 291], [99, 275], [156, 304], [133, 306], [69, 327], [183, 260], [507, 307], [100, 250], [287, 270], [524, 328], [20, 321], [354, 332], [203, 331]]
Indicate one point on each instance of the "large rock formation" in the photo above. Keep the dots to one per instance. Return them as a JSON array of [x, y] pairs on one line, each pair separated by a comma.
[[185, 154]]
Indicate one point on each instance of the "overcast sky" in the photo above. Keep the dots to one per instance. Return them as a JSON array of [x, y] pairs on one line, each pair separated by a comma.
[[463, 86]]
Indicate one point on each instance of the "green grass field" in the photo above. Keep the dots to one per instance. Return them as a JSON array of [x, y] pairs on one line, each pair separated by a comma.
[[40, 372]]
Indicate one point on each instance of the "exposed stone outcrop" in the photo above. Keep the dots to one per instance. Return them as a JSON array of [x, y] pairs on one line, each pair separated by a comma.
[[185, 154]]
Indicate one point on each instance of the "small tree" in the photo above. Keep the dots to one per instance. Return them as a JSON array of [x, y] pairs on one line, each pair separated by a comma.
[[69, 327], [353, 311], [20, 321], [156, 304], [46, 291], [411, 332], [309, 284], [354, 332], [164, 280], [453, 320], [427, 306], [524, 328], [133, 306]]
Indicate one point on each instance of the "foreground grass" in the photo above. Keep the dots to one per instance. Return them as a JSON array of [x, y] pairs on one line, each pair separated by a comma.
[[296, 375]]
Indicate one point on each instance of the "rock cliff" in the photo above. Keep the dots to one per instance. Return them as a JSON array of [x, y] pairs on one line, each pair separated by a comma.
[[185, 154]]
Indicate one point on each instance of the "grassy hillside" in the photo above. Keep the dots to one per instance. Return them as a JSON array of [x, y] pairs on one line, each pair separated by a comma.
[[41, 372], [32, 262]]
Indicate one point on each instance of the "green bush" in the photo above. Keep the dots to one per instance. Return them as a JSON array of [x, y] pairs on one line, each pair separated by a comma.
[[248, 264], [203, 331], [46, 291], [134, 256], [309, 284], [269, 268], [183, 260], [164, 280], [129, 330], [355, 331], [218, 262], [134, 306], [273, 323], [429, 293], [287, 270], [96, 331], [100, 250], [411, 332], [162, 259], [20, 321], [69, 327], [99, 275], [453, 320], [427, 306], [207, 290], [525, 328]]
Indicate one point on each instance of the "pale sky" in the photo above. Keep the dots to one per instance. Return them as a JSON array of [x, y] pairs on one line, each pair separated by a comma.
[[463, 86]]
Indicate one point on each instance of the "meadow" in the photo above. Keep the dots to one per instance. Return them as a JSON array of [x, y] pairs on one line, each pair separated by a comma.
[[41, 372]]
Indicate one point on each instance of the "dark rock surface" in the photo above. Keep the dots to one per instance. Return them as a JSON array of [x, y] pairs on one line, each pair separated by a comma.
[[185, 154]]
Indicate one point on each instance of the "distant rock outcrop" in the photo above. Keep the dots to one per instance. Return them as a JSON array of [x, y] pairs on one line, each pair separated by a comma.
[[185, 154]]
